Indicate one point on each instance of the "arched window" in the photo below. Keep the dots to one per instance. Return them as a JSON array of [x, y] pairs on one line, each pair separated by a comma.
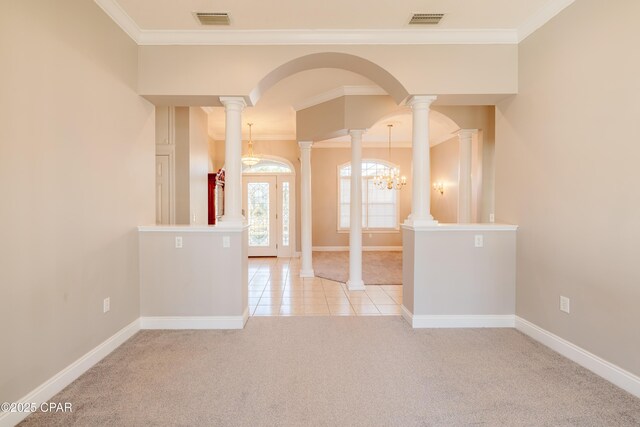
[[268, 166], [380, 208]]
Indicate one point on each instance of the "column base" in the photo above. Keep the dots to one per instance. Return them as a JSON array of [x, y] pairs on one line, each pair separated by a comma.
[[307, 273], [231, 222], [357, 286], [420, 222]]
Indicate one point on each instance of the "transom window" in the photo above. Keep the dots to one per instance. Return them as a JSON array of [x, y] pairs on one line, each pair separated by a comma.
[[268, 166], [380, 208]]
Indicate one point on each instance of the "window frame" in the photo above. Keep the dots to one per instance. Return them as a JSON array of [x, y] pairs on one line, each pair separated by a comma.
[[378, 230]]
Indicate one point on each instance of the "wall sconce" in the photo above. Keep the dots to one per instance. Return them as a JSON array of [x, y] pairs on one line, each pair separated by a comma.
[[439, 186]]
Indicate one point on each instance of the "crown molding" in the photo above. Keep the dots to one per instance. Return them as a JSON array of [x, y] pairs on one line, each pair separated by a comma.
[[337, 93], [330, 37], [541, 17], [281, 138], [120, 17], [326, 37]]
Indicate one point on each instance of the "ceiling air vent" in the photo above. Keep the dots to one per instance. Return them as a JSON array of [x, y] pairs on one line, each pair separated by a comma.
[[213, 18], [426, 18]]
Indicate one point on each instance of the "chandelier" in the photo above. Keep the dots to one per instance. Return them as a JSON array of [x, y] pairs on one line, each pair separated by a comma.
[[250, 159], [390, 178]]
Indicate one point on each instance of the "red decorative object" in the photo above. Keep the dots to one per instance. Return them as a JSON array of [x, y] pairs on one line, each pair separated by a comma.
[[216, 195]]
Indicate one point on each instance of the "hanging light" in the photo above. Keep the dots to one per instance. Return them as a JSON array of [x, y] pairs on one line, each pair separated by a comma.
[[390, 178], [250, 159]]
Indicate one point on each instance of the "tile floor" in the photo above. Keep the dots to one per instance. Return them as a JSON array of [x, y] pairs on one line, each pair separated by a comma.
[[275, 289]]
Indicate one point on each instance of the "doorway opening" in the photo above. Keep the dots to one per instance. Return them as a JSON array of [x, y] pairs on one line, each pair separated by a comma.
[[268, 203]]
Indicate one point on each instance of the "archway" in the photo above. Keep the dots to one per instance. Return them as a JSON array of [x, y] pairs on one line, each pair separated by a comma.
[[344, 61]]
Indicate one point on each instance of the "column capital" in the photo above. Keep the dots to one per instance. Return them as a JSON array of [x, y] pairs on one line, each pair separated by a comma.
[[417, 101], [305, 145], [466, 133], [233, 101], [357, 132]]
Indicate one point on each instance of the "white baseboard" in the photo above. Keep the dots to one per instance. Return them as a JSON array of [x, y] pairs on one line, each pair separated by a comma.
[[458, 321], [618, 376], [194, 322], [69, 374], [364, 248]]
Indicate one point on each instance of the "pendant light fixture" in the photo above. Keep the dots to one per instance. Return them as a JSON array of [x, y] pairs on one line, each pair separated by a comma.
[[390, 179], [250, 159]]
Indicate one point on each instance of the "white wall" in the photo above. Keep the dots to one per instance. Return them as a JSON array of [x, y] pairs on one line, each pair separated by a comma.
[[77, 177]]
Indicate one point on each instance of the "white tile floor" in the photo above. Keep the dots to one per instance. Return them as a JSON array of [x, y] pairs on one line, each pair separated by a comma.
[[275, 289]]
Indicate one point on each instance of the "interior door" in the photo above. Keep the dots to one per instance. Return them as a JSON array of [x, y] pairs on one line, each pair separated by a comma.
[[260, 207]]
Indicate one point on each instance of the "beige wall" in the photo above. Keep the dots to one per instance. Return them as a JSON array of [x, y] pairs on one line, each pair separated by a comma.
[[188, 281], [199, 73], [444, 168], [77, 173], [567, 173], [450, 276], [192, 165], [483, 119], [182, 169], [324, 193], [198, 165]]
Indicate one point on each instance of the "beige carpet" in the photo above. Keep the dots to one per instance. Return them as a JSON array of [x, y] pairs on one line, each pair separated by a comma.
[[327, 371], [378, 268]]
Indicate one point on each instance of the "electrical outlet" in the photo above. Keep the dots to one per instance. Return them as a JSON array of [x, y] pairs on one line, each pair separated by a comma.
[[106, 305], [178, 242], [194, 218], [565, 304], [226, 241], [492, 218], [479, 241]]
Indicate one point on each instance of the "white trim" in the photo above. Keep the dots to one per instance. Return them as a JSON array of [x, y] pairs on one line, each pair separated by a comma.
[[190, 229], [332, 143], [307, 273], [458, 321], [406, 315], [541, 17], [364, 248], [333, 37], [121, 18], [194, 322], [337, 93], [607, 370], [463, 227], [55, 384], [330, 37]]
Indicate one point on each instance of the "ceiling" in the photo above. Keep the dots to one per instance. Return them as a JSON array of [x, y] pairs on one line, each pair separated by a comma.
[[290, 21]]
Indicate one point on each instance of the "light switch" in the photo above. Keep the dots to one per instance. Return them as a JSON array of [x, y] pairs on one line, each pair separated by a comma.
[[226, 241], [178, 242]]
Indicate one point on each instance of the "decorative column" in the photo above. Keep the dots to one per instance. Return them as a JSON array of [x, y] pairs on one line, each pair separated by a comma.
[[355, 282], [464, 175], [306, 270], [421, 174], [233, 107]]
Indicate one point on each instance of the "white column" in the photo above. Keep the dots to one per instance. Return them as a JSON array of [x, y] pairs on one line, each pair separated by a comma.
[[355, 282], [233, 107], [421, 174], [306, 269], [464, 175]]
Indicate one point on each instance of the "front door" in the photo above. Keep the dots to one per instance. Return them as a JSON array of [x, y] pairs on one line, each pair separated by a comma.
[[260, 208]]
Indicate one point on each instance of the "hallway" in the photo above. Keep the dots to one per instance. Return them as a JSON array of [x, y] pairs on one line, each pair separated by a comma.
[[275, 289]]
